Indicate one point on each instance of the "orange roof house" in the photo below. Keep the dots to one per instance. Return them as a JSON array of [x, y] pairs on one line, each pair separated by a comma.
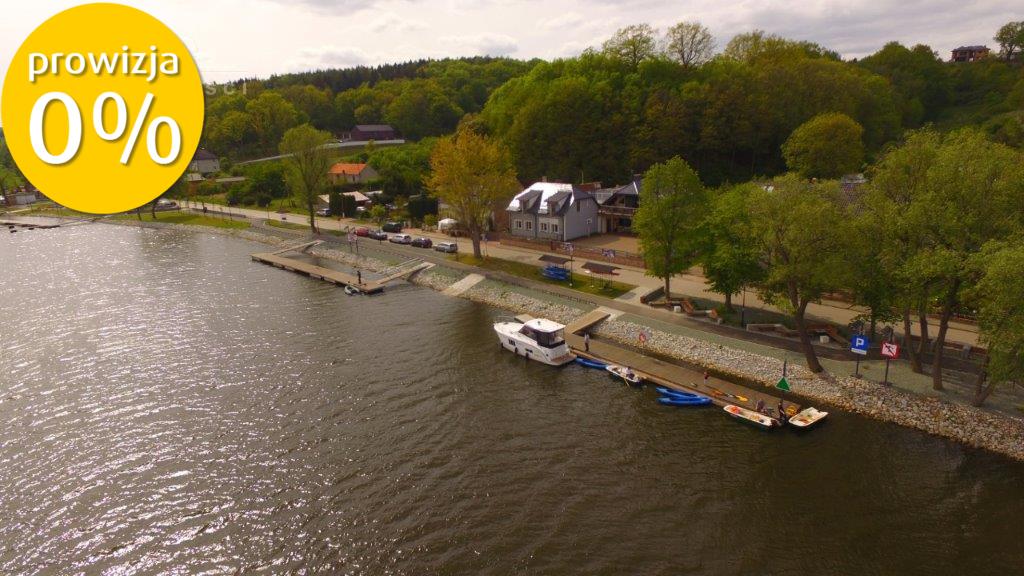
[[343, 172]]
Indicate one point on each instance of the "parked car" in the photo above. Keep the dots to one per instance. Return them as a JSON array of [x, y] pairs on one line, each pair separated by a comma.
[[363, 231], [400, 239], [447, 247], [422, 242], [323, 212], [392, 227], [378, 235], [166, 204]]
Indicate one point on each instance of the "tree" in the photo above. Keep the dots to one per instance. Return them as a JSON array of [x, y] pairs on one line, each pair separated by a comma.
[[798, 229], [1000, 317], [470, 172], [730, 256], [672, 202], [310, 161], [898, 181], [632, 44], [826, 146], [378, 213], [689, 43], [1011, 39], [972, 195], [270, 115]]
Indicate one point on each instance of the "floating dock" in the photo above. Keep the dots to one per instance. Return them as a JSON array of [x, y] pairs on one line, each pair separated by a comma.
[[673, 376], [335, 276]]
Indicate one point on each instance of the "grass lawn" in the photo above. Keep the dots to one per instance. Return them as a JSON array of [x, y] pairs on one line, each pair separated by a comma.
[[580, 282], [286, 204], [177, 217], [288, 225]]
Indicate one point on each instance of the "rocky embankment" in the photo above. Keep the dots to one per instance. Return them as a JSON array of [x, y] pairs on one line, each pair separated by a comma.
[[966, 424]]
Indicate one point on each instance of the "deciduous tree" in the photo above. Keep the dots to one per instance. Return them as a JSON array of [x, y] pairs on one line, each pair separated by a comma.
[[730, 256], [1000, 317], [310, 161], [798, 228], [672, 205], [632, 44], [1011, 39], [689, 43], [826, 146], [470, 173]]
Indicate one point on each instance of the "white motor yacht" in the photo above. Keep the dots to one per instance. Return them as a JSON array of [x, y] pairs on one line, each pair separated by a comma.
[[539, 339]]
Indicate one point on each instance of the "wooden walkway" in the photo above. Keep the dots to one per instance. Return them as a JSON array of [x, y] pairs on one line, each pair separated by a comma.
[[674, 376], [406, 269]]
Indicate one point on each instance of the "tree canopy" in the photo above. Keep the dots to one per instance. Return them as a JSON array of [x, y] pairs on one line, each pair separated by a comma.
[[826, 146]]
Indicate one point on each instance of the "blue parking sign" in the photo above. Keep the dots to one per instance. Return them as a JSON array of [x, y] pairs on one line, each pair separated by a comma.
[[859, 345]]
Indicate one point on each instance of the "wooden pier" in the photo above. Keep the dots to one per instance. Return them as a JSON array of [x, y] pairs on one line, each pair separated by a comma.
[[335, 276], [673, 376]]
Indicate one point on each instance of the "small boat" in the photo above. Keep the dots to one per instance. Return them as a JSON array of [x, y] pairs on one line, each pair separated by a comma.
[[750, 416], [625, 373], [807, 417], [676, 393], [538, 339], [695, 401], [591, 363], [351, 290]]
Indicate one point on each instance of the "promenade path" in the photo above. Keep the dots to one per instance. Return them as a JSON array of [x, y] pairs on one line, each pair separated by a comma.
[[690, 284]]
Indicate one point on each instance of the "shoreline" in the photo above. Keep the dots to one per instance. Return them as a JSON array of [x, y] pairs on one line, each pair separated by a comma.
[[968, 425]]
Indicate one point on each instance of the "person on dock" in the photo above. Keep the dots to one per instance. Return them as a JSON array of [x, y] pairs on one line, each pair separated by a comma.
[[760, 406], [586, 341], [782, 413], [706, 377], [359, 276]]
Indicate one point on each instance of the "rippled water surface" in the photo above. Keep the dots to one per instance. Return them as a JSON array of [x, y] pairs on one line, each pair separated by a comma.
[[166, 405]]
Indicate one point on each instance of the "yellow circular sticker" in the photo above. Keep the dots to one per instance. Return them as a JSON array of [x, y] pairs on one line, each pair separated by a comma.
[[102, 108]]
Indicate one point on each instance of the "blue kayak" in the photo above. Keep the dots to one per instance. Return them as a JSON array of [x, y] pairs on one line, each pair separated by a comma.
[[590, 363], [696, 401], [676, 393]]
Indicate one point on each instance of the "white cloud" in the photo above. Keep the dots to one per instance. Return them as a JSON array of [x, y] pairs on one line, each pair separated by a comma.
[[566, 20], [328, 57], [392, 23], [483, 44]]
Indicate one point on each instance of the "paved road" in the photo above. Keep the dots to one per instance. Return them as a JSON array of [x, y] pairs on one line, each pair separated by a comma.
[[690, 284]]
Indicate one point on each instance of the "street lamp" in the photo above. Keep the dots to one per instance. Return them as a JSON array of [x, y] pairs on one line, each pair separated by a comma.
[[743, 309]]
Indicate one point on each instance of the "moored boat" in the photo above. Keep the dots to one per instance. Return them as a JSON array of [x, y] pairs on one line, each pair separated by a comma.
[[676, 401], [807, 417], [755, 418], [676, 393], [538, 339], [351, 290], [624, 372], [589, 363]]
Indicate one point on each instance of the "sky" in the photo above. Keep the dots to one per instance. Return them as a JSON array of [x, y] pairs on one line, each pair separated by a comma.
[[233, 39]]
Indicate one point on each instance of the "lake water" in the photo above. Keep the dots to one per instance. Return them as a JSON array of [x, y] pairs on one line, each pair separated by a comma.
[[169, 406]]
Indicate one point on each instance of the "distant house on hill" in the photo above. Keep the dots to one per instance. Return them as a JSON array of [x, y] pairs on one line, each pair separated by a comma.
[[204, 162], [552, 211], [367, 132], [969, 53], [342, 173]]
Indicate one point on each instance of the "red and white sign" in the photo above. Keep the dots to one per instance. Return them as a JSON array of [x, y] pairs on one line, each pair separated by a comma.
[[890, 350]]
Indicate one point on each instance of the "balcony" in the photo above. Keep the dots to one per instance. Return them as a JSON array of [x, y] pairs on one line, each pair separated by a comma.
[[618, 211]]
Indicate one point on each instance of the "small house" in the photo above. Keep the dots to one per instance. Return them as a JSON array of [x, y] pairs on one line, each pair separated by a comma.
[[552, 211], [346, 173], [969, 53], [204, 162], [367, 132], [616, 207]]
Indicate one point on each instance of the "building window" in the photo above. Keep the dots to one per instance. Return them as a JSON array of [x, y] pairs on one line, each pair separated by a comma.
[[529, 225], [519, 224], [543, 226], [554, 228]]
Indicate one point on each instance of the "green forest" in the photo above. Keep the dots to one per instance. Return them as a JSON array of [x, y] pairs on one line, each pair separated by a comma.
[[620, 108]]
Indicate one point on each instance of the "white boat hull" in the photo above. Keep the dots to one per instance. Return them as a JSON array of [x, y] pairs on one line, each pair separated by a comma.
[[513, 341], [807, 417]]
